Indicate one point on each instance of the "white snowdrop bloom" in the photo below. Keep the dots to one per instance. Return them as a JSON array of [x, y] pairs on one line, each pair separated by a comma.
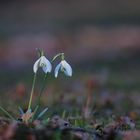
[[64, 67], [44, 63]]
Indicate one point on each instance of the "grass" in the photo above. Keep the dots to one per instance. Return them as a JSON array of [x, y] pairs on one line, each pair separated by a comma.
[[113, 100]]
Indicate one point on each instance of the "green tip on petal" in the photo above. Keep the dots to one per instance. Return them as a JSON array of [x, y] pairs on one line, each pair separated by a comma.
[[62, 56], [40, 52]]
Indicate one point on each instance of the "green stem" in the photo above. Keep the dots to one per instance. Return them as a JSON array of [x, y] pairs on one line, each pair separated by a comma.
[[8, 114], [32, 92], [42, 89], [59, 54]]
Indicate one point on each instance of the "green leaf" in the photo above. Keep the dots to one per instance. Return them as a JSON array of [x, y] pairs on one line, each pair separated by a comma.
[[42, 113], [21, 110], [7, 113]]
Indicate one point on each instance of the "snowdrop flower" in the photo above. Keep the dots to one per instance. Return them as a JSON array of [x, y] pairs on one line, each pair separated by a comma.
[[44, 63], [64, 67]]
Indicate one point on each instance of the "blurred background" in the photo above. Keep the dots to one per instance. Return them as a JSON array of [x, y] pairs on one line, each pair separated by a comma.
[[100, 39]]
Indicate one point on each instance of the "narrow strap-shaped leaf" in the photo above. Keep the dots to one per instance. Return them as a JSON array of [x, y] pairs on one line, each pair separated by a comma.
[[64, 114], [21, 110], [7, 113], [35, 111], [42, 113]]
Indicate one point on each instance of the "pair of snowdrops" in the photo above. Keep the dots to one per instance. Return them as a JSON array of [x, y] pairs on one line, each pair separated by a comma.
[[46, 66]]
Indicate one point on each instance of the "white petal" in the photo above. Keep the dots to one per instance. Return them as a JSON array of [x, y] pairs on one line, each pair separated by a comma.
[[36, 65], [57, 69], [45, 64], [47, 68], [67, 68]]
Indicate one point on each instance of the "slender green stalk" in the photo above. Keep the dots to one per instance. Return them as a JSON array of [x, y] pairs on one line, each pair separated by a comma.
[[8, 114], [32, 92], [59, 54], [64, 114], [42, 89]]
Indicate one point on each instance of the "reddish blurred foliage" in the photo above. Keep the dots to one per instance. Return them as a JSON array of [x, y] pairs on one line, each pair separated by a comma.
[[10, 131], [90, 84], [131, 135], [133, 115], [20, 91]]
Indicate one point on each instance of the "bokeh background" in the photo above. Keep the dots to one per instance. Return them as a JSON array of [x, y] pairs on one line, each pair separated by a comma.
[[100, 39]]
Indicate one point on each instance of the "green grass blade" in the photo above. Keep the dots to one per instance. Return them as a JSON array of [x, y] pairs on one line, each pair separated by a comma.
[[42, 113], [7, 113]]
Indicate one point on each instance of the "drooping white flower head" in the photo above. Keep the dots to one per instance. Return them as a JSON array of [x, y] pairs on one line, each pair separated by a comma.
[[44, 63], [64, 67]]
